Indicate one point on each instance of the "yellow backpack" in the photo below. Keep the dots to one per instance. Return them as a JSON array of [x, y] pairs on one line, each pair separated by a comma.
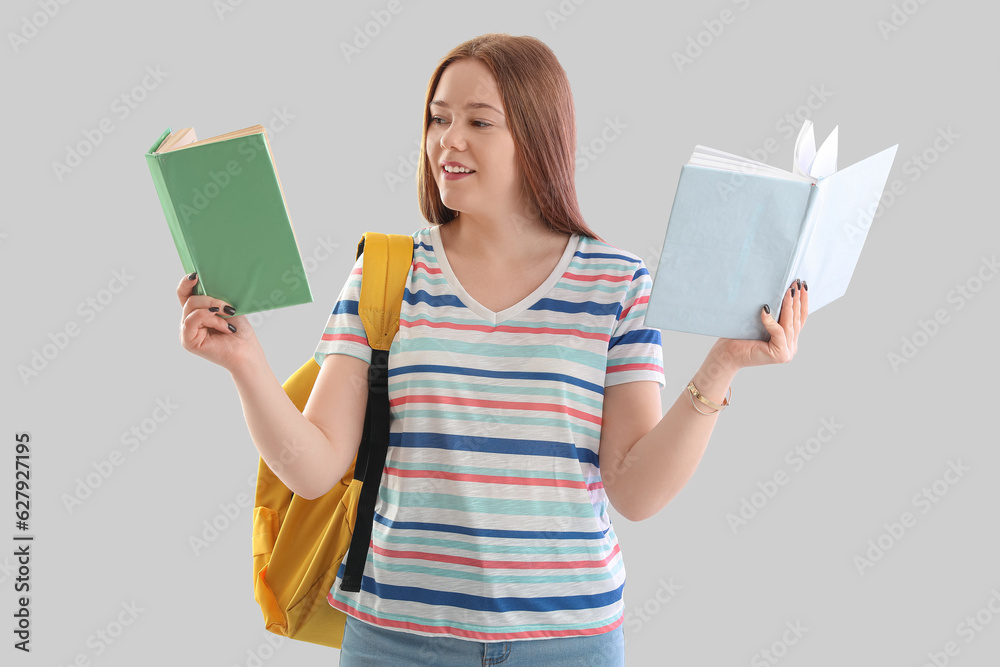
[[298, 544]]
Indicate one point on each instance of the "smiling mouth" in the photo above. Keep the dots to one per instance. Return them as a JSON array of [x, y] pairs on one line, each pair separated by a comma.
[[445, 170]]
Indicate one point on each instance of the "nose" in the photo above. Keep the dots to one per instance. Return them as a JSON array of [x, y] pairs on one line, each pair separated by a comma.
[[452, 137]]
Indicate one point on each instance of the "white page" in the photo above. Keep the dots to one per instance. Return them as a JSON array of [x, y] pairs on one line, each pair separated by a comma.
[[825, 162], [805, 150], [846, 206], [744, 167], [704, 156]]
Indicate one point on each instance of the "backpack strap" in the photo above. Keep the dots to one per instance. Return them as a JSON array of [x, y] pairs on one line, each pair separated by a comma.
[[383, 281]]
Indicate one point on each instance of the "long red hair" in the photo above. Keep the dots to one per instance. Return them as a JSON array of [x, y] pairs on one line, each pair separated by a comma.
[[539, 110]]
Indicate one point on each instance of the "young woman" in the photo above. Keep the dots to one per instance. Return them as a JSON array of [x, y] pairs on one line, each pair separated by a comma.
[[524, 392]]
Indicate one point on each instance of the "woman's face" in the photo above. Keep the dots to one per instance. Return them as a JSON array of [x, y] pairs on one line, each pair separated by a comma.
[[476, 137]]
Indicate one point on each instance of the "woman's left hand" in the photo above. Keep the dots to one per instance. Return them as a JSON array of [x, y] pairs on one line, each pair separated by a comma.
[[784, 333]]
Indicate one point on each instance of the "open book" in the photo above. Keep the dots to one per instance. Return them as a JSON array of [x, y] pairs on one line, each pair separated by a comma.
[[227, 215], [740, 231]]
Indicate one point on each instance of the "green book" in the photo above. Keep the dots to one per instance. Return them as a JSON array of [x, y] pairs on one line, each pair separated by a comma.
[[227, 215]]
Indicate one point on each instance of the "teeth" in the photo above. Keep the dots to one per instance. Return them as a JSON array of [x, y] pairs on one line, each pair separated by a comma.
[[457, 170]]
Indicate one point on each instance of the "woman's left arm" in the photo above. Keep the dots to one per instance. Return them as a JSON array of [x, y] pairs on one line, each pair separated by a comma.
[[647, 459]]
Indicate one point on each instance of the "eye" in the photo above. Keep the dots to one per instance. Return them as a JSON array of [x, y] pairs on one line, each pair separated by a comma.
[[477, 123]]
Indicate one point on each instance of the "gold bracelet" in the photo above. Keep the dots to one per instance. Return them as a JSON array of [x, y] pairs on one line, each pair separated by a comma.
[[699, 409], [697, 394]]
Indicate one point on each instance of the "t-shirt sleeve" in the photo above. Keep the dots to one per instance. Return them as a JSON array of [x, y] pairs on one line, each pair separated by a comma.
[[635, 352], [344, 332]]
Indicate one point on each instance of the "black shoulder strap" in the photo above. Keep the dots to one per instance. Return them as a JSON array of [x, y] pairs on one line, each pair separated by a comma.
[[371, 461], [369, 465]]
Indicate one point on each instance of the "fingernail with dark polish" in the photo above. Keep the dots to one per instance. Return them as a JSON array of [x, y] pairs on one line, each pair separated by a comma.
[[793, 292], [798, 283], [214, 309], [231, 328], [229, 310], [806, 285], [767, 309], [193, 276]]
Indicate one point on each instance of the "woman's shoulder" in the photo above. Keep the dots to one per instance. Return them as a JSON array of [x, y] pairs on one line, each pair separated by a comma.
[[421, 234], [609, 253]]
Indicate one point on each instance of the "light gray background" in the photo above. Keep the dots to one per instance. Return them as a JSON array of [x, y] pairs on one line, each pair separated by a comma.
[[351, 123]]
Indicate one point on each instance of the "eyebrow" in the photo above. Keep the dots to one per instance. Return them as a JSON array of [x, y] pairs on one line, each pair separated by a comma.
[[470, 105]]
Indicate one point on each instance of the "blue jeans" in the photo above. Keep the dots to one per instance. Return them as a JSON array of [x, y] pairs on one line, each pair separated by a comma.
[[367, 645]]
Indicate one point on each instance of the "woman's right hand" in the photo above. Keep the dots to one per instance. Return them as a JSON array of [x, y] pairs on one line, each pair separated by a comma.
[[206, 334]]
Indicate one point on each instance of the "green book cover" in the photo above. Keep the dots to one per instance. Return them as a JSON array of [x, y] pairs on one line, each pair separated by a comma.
[[229, 220]]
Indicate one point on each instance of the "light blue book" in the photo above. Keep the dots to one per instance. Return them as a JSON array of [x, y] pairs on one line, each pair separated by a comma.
[[740, 231]]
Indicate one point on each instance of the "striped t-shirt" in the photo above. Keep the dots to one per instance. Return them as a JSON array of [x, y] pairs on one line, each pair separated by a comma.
[[491, 523]]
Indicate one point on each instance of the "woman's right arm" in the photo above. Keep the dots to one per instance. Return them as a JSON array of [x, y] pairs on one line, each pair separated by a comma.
[[311, 450]]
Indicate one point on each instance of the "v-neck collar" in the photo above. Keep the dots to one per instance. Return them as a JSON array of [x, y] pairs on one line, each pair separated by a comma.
[[495, 318]]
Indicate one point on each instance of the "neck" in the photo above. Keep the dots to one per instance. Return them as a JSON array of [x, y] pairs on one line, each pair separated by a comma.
[[510, 241]]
